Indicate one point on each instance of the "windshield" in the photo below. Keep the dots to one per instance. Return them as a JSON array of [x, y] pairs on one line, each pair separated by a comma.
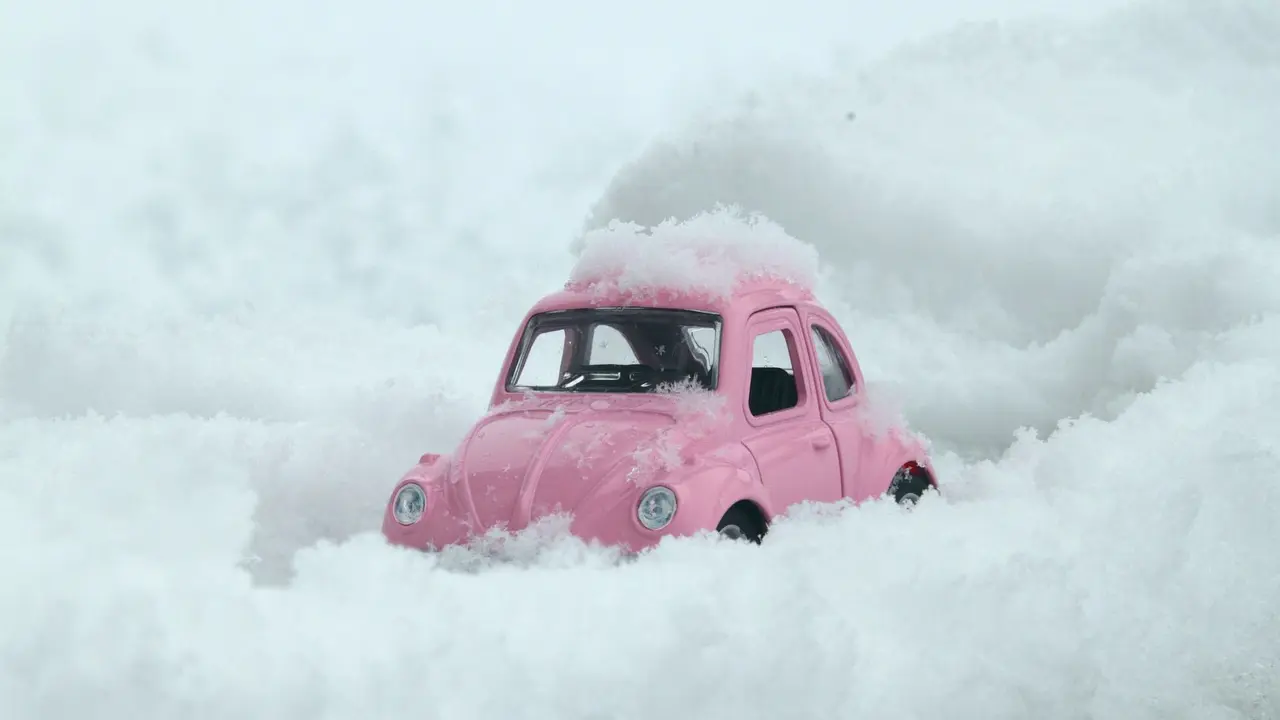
[[626, 350]]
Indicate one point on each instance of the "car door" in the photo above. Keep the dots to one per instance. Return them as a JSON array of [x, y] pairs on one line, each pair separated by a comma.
[[793, 446], [840, 399]]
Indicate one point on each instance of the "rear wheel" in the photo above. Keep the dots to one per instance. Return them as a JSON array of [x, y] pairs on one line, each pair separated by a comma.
[[742, 523], [909, 484]]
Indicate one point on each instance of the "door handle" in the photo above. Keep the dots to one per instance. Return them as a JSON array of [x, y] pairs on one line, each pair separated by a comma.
[[820, 440]]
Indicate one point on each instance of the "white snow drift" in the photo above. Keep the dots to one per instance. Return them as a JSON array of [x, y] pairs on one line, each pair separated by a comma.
[[255, 260]]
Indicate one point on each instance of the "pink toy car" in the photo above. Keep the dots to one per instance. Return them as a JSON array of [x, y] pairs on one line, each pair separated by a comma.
[[647, 414]]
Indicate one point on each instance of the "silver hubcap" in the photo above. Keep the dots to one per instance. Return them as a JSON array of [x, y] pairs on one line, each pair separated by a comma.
[[910, 499], [732, 532]]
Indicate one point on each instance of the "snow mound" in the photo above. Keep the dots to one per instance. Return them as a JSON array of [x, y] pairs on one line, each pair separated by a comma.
[[712, 253], [240, 293]]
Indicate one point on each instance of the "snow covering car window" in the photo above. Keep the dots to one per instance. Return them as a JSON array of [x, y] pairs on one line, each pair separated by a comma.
[[632, 350], [837, 378]]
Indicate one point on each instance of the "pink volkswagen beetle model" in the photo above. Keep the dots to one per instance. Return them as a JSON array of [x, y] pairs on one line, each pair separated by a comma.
[[644, 414]]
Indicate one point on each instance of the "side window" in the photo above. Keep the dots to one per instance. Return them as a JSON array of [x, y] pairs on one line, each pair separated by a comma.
[[542, 366], [837, 376], [609, 347], [773, 379]]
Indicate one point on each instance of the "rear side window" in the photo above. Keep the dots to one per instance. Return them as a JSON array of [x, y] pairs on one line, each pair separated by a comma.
[[837, 375]]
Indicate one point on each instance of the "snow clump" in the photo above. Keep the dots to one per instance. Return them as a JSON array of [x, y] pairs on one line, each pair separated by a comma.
[[710, 254]]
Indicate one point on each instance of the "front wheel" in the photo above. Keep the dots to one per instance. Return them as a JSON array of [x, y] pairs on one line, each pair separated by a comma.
[[741, 524], [909, 484]]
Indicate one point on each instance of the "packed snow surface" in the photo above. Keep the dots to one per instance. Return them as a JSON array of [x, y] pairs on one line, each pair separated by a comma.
[[256, 258]]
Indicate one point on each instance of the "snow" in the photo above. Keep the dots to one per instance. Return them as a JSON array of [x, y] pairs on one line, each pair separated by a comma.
[[694, 407], [247, 277], [712, 253]]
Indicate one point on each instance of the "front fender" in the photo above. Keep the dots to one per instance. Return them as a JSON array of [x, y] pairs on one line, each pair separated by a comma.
[[703, 495], [708, 493], [445, 520]]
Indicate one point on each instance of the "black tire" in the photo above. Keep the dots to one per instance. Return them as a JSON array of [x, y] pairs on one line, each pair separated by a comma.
[[909, 484], [740, 523]]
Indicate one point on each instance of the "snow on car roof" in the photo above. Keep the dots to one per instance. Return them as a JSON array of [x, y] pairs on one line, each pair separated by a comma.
[[714, 254]]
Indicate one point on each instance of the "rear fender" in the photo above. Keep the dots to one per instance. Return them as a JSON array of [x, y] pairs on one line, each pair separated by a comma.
[[888, 453]]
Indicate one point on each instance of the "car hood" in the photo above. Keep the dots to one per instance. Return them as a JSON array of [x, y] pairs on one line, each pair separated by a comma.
[[519, 465]]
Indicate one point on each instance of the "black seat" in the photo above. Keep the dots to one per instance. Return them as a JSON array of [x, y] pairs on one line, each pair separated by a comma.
[[772, 389]]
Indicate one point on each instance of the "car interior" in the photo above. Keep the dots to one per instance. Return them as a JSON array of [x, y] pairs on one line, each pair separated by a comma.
[[772, 389]]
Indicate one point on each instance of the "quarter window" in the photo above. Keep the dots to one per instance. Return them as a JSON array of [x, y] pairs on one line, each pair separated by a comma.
[[837, 376]]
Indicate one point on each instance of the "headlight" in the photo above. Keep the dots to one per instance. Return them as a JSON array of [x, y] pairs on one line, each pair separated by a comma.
[[657, 507], [409, 504]]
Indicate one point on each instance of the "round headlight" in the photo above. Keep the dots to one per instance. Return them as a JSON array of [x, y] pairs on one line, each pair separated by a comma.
[[657, 508], [409, 504]]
